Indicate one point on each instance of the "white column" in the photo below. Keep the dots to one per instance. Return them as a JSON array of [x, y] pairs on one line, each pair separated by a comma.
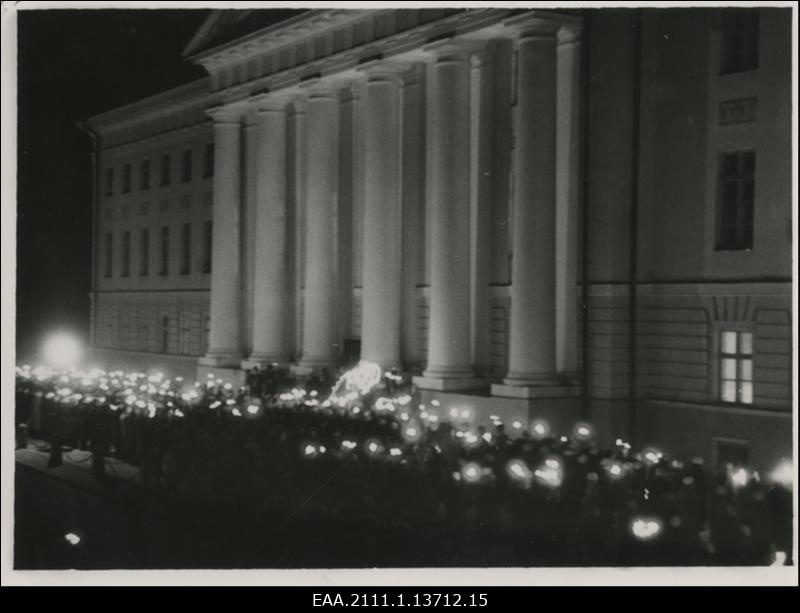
[[412, 164], [225, 347], [382, 290], [322, 128], [270, 293], [533, 290], [481, 192], [449, 345], [249, 174], [568, 191]]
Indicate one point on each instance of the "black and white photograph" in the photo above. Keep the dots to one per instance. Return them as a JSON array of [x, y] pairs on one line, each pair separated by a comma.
[[466, 291]]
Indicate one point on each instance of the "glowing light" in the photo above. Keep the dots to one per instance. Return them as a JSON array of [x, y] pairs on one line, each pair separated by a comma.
[[779, 559], [471, 472], [518, 470], [453, 413], [517, 425], [252, 409], [540, 429], [309, 450], [403, 400], [738, 477], [349, 444], [614, 469], [411, 433], [646, 529], [487, 436], [465, 414], [783, 474], [471, 439], [373, 447], [435, 403], [237, 412], [140, 403], [230, 401], [62, 350], [551, 474], [227, 386], [583, 431], [395, 452], [322, 449], [215, 404], [360, 379], [72, 538], [652, 455], [433, 418], [384, 404], [563, 439], [178, 413]]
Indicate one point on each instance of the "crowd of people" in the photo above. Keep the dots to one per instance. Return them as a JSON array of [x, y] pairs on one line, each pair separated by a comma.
[[364, 447]]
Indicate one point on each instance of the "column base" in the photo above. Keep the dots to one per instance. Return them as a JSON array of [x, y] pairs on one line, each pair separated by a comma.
[[543, 390], [220, 360], [263, 363], [445, 384]]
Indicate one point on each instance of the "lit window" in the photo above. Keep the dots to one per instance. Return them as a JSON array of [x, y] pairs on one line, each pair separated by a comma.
[[736, 199], [736, 366], [739, 40]]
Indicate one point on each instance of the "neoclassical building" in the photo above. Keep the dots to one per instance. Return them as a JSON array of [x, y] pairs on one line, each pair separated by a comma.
[[573, 214]]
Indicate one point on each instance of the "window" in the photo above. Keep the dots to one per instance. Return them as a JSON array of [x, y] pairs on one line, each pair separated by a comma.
[[165, 334], [109, 191], [164, 170], [163, 268], [144, 175], [126, 254], [208, 237], [186, 249], [208, 161], [144, 252], [737, 190], [739, 40], [730, 451], [126, 178], [109, 259], [186, 166], [736, 366]]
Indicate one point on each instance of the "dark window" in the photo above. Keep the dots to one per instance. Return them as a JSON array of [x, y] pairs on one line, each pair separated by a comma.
[[109, 259], [126, 178], [126, 253], [208, 237], [208, 161], [737, 190], [739, 40], [163, 268], [164, 334], [736, 367], [144, 176], [144, 252], [109, 182], [186, 249], [731, 452], [164, 171], [186, 166]]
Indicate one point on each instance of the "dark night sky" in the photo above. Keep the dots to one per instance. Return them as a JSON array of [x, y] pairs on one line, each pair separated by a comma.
[[71, 65]]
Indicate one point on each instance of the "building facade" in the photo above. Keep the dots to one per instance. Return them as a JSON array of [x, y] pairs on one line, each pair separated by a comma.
[[573, 214]]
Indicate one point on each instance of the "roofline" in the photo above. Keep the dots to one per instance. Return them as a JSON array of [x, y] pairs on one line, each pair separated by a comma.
[[174, 97]]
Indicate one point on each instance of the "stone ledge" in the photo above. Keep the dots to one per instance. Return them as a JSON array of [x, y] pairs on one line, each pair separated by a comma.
[[535, 391], [444, 384]]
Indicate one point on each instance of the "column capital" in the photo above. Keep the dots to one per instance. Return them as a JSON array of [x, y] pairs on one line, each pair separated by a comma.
[[539, 24], [227, 115], [570, 33], [318, 88], [383, 70], [268, 102], [449, 50]]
